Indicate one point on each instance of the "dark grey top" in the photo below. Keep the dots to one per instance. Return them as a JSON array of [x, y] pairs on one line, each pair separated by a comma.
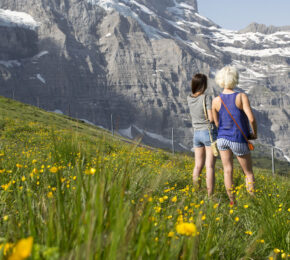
[[196, 110]]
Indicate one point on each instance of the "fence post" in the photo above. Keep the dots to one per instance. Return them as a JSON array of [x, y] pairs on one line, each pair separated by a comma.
[[273, 162], [112, 126], [172, 140]]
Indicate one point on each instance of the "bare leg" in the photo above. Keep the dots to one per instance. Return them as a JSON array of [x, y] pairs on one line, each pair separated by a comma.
[[227, 160], [210, 171], [199, 155], [246, 164]]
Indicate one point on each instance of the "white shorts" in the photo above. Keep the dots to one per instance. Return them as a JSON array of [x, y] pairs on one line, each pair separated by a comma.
[[238, 149]]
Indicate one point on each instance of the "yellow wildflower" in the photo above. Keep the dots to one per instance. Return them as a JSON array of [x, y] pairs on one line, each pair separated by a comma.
[[171, 234], [215, 205], [249, 232], [277, 251], [7, 248], [237, 219], [174, 199], [6, 186], [231, 211], [157, 209], [188, 229], [92, 171], [5, 218], [50, 194], [246, 206], [53, 169], [22, 250]]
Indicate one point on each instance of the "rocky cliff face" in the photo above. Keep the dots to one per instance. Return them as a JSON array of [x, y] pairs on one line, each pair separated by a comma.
[[134, 59]]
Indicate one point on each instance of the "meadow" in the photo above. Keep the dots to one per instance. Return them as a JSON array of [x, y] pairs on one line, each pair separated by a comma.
[[69, 190]]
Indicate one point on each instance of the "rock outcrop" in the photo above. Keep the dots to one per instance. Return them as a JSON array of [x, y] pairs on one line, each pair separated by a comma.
[[134, 60]]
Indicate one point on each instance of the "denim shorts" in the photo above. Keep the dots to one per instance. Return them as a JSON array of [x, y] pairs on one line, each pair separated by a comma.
[[238, 149], [201, 138]]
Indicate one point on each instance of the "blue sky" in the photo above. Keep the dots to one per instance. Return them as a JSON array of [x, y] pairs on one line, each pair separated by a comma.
[[237, 14]]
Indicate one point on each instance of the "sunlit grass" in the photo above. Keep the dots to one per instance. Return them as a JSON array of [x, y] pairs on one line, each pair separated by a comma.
[[74, 192]]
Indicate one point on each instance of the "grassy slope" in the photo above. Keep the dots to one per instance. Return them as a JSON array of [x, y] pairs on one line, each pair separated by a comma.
[[82, 194]]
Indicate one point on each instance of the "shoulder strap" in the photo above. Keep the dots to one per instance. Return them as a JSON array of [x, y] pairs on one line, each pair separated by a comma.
[[234, 120]]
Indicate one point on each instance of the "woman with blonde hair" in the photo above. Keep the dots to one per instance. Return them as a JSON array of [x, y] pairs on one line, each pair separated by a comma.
[[202, 121], [234, 130]]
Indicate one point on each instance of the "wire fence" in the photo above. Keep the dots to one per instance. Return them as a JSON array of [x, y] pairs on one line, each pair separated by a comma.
[[171, 139]]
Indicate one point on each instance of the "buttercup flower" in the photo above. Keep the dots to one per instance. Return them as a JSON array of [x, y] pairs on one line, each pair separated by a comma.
[[188, 229]]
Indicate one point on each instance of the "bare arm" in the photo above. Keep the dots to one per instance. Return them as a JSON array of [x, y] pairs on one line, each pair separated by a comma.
[[215, 113], [210, 117], [249, 113]]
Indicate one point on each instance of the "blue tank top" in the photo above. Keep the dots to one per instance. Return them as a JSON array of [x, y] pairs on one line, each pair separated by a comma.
[[227, 127]]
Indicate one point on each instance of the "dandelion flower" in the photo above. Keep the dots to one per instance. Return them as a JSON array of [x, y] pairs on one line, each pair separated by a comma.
[[246, 206], [171, 234], [22, 249], [53, 169], [188, 229], [249, 233], [237, 219], [174, 199], [215, 205], [92, 171], [277, 251]]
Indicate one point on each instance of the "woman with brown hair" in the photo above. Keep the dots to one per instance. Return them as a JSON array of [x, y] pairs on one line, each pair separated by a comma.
[[197, 100]]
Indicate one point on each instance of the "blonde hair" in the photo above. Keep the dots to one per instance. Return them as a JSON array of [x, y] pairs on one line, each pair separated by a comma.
[[227, 77]]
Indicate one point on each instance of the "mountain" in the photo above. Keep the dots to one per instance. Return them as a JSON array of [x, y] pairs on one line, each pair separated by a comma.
[[130, 62]]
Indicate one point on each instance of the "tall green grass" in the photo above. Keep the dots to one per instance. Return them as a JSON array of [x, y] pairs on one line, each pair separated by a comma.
[[82, 194]]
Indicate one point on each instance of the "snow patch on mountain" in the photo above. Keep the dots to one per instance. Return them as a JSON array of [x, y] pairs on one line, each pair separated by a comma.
[[41, 78], [10, 18], [10, 63], [39, 55], [126, 132]]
